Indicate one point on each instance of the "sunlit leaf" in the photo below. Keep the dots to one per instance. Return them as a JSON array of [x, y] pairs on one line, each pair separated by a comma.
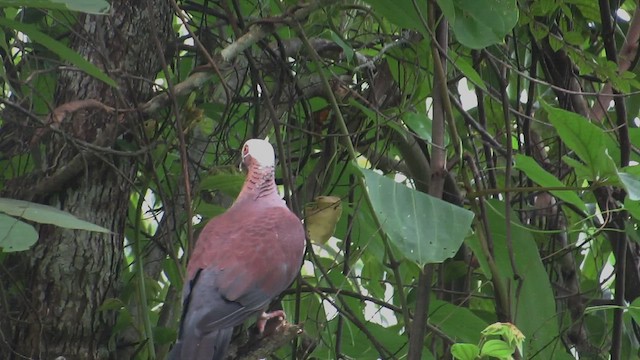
[[496, 348], [462, 351]]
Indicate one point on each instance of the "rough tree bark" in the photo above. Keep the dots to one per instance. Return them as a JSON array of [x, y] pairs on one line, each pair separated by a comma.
[[51, 295]]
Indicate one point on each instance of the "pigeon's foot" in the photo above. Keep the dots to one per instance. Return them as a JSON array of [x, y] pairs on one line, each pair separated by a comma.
[[264, 317]]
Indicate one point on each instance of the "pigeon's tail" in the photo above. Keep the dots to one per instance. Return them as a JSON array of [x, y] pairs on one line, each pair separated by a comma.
[[211, 346]]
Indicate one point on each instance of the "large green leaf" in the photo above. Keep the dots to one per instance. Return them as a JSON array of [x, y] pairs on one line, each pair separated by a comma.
[[402, 13], [496, 348], [464, 351], [531, 297], [45, 214], [59, 48], [419, 123], [16, 235], [459, 323], [587, 141], [223, 179], [424, 228], [633, 207], [86, 6], [545, 179], [480, 23], [630, 178]]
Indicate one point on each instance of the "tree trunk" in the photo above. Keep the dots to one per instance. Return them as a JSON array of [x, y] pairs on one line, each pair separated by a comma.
[[51, 295]]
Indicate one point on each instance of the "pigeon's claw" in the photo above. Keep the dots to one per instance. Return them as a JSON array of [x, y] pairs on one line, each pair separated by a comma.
[[264, 317]]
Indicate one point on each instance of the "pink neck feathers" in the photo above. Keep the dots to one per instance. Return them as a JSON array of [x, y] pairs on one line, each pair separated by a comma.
[[260, 183]]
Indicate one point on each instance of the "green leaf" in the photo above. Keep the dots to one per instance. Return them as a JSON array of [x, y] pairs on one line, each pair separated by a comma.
[[588, 8], [229, 182], [59, 48], [634, 310], [465, 351], [496, 348], [631, 180], [45, 214], [533, 299], [586, 140], [582, 171], [555, 43], [164, 335], [98, 7], [16, 235], [424, 228], [470, 73], [457, 322], [448, 9], [112, 304], [545, 179], [507, 331], [574, 38], [481, 23], [543, 7], [633, 207], [419, 123], [346, 48], [401, 13]]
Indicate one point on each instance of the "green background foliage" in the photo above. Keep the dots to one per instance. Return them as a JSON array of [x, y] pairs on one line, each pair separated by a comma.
[[480, 180]]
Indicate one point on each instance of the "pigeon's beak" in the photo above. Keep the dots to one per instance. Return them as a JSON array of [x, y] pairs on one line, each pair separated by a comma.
[[243, 165]]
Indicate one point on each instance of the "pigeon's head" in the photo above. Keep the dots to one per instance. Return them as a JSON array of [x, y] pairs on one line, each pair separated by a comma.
[[258, 152]]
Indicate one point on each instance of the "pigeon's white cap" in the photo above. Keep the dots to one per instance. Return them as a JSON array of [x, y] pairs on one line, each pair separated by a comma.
[[261, 151]]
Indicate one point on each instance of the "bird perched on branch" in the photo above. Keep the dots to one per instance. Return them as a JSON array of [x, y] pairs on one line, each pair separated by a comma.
[[241, 261]]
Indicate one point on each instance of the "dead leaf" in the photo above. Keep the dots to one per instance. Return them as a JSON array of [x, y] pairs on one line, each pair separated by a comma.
[[321, 218]]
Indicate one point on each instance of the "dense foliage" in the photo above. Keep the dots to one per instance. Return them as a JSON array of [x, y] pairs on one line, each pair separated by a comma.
[[461, 166]]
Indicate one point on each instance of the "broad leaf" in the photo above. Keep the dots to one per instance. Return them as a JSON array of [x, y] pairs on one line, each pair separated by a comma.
[[424, 228], [633, 207], [461, 351], [545, 179], [480, 23], [86, 6], [59, 48], [586, 140], [532, 296], [45, 214], [419, 123], [402, 13], [16, 235], [224, 179], [457, 322], [496, 348], [631, 180]]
